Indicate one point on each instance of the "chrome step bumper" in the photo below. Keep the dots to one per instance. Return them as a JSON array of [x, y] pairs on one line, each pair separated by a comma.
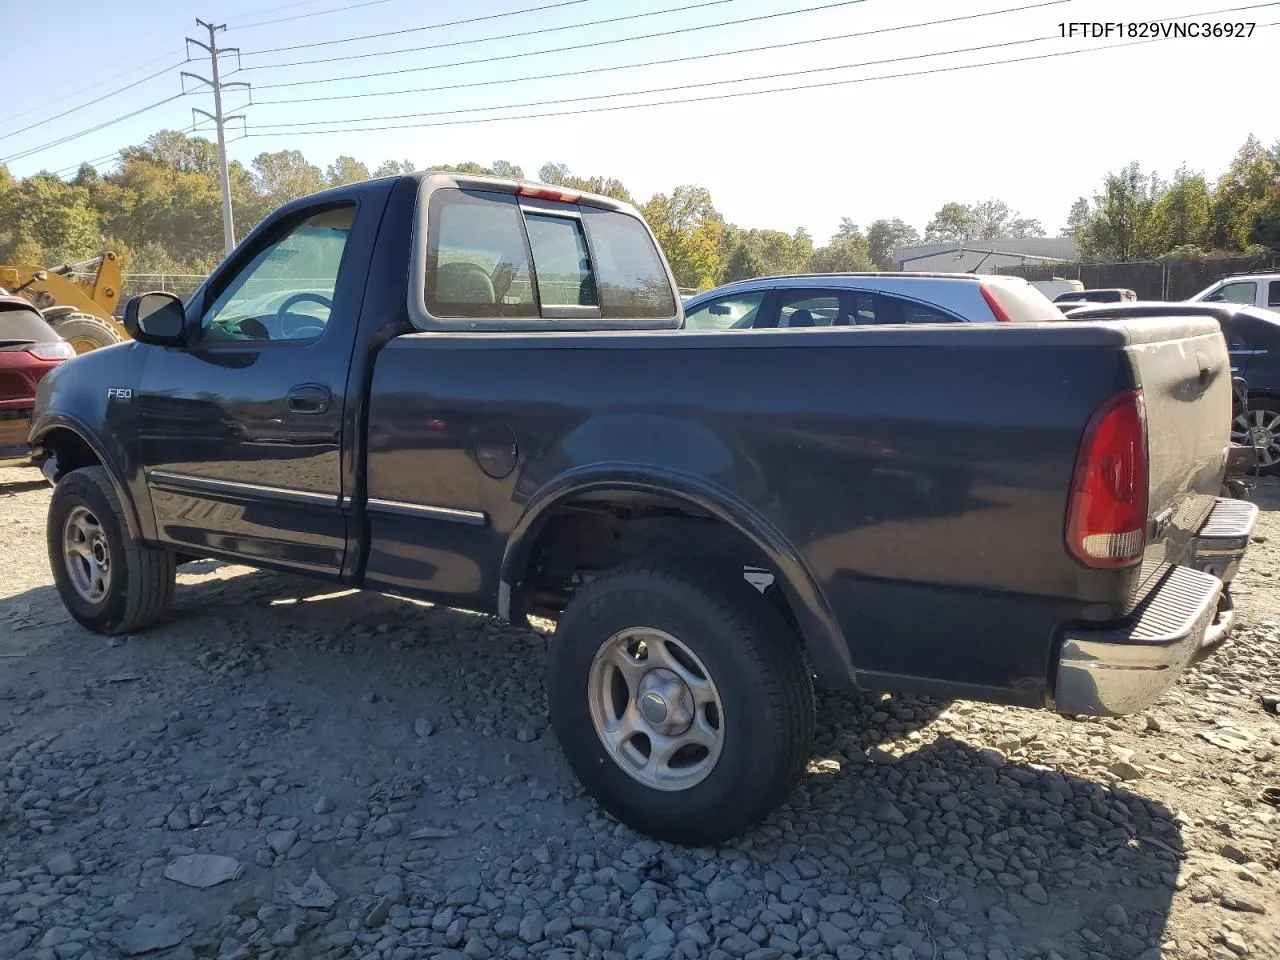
[[1111, 671], [1220, 543]]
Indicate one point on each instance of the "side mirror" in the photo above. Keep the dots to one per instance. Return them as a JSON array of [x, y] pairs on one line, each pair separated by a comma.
[[156, 318]]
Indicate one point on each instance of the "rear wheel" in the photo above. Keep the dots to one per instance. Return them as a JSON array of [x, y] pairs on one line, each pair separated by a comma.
[[1260, 426], [681, 699], [108, 581], [85, 332]]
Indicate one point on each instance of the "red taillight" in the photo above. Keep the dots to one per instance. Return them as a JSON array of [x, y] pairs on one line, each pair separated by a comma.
[[997, 308], [1107, 517], [549, 193]]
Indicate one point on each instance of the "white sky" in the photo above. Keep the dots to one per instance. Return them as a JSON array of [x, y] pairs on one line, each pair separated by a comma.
[[1035, 134]]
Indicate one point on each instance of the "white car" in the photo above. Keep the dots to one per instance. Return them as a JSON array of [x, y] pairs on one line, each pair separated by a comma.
[[1251, 289]]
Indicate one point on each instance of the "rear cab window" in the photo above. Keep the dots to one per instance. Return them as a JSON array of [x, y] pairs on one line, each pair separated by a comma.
[[499, 257]]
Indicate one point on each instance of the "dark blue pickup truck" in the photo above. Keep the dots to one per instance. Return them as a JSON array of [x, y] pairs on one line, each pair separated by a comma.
[[478, 392]]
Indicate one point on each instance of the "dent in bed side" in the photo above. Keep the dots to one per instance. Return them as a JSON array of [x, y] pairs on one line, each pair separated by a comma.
[[824, 644]]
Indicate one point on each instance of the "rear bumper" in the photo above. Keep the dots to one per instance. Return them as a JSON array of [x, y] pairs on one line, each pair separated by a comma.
[[1220, 544], [14, 427], [1108, 672]]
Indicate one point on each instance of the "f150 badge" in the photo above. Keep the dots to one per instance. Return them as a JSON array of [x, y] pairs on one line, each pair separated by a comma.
[[119, 393]]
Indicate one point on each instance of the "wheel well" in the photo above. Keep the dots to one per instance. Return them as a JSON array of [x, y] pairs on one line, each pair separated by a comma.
[[70, 451], [598, 531]]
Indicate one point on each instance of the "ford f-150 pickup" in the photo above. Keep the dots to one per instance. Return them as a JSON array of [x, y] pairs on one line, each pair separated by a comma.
[[477, 392]]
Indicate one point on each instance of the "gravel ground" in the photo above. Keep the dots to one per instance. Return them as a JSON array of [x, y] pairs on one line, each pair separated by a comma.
[[354, 776]]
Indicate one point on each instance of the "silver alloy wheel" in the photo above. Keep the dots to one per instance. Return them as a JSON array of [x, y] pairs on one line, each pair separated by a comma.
[[86, 555], [656, 709], [1260, 428]]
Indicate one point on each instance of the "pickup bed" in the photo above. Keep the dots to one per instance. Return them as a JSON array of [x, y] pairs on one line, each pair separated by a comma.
[[477, 392]]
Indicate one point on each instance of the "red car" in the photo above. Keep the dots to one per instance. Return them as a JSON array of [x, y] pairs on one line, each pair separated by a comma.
[[29, 349]]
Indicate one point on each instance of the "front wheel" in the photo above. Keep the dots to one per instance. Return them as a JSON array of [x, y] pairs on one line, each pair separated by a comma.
[[681, 699], [109, 582]]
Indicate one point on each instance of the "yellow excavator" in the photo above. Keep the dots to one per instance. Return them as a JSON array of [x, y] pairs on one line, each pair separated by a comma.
[[80, 310]]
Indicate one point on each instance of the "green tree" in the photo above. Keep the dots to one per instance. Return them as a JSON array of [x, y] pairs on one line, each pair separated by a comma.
[[886, 236], [504, 168], [1078, 217], [1120, 226], [553, 173], [757, 253], [1242, 194], [846, 252], [688, 230], [953, 222], [394, 168], [284, 176], [995, 220], [345, 170], [1180, 215]]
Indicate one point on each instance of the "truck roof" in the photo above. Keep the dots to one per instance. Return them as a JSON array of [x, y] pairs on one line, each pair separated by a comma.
[[904, 275], [525, 188]]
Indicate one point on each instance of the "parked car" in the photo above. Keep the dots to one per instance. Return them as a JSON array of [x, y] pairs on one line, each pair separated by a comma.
[[1253, 343], [488, 403], [1250, 289], [1069, 301], [1100, 295], [866, 299], [29, 349]]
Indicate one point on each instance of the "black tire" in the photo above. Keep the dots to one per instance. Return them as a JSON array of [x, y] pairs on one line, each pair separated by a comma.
[[758, 668], [1268, 410], [86, 332], [141, 580]]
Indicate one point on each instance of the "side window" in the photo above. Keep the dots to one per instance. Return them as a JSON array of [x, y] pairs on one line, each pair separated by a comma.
[[1273, 293], [633, 281], [736, 312], [562, 261], [881, 309], [807, 309], [477, 264], [286, 291], [1245, 292]]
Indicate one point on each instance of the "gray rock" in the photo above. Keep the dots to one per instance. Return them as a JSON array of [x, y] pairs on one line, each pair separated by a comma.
[[177, 820], [832, 936], [151, 932], [888, 813], [386, 826], [723, 892], [894, 886], [532, 927], [1115, 915], [12, 944], [287, 936], [644, 903], [1036, 894], [1241, 901], [323, 805], [281, 841], [998, 914], [62, 864]]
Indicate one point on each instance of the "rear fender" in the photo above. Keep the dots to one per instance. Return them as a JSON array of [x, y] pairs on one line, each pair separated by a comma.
[[828, 653]]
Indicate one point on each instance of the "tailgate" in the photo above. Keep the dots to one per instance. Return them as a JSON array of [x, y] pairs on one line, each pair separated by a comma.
[[1184, 372]]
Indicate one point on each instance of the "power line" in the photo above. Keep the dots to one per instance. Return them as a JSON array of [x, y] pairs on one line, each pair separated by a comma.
[[76, 93], [105, 96], [94, 129], [733, 95], [303, 16], [392, 33], [488, 39], [671, 89], [538, 53], [666, 62]]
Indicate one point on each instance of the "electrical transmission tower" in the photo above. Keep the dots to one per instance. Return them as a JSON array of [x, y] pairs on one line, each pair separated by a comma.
[[217, 84]]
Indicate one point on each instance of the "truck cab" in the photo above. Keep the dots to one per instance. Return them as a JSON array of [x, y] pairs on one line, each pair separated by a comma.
[[1250, 289]]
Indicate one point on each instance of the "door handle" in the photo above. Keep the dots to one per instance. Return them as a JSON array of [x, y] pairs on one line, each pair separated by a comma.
[[309, 398]]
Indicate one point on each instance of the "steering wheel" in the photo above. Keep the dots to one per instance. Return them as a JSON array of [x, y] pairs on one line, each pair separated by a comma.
[[282, 313]]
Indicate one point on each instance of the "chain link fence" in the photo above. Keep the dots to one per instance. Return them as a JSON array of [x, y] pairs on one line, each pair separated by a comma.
[[1149, 279]]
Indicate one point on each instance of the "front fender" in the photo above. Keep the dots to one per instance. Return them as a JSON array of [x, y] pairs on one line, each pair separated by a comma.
[[92, 399], [824, 643]]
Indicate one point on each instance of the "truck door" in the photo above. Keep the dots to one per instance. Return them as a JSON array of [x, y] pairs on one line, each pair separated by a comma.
[[241, 430]]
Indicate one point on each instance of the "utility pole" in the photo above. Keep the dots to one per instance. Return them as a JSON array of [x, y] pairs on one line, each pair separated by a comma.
[[217, 85]]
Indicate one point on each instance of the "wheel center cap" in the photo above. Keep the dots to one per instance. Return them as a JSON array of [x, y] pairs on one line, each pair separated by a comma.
[[653, 707], [665, 702]]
